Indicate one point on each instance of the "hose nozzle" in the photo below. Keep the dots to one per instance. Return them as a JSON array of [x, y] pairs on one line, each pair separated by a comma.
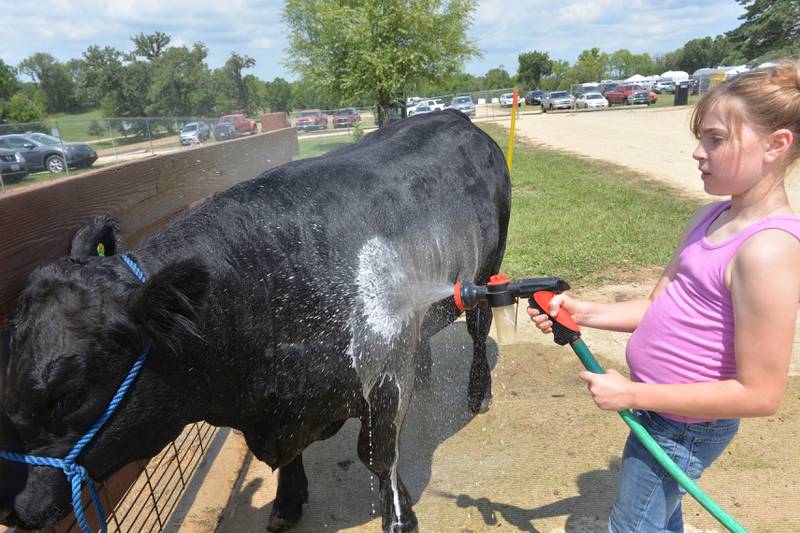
[[501, 293]]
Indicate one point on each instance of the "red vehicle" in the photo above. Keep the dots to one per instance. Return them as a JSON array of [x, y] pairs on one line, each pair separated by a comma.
[[346, 118], [238, 122], [627, 95], [311, 119]]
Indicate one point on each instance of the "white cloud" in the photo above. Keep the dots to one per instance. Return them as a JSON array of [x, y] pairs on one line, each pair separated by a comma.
[[502, 29]]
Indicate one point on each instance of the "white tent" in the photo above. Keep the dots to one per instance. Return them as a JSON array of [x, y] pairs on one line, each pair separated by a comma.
[[733, 71], [636, 77], [675, 75]]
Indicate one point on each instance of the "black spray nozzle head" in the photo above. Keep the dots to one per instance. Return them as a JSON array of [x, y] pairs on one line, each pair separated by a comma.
[[468, 295], [501, 291]]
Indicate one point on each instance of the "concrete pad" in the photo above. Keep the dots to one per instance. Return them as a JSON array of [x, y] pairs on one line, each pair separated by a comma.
[[543, 459]]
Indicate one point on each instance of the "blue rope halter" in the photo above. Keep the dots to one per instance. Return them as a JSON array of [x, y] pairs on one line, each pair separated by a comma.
[[77, 474]]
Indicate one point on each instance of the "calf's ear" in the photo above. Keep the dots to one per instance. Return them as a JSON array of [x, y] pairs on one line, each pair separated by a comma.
[[101, 236], [168, 305]]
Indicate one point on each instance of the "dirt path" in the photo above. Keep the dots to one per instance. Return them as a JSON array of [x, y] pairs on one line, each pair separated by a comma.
[[656, 142]]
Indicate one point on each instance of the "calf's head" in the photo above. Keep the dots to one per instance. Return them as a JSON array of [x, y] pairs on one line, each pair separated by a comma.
[[80, 324]]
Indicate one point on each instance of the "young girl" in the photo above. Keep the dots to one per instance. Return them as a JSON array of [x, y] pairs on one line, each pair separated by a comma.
[[713, 341]]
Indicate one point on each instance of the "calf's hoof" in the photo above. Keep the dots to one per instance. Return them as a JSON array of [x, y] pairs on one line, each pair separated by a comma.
[[409, 526], [282, 519], [479, 405]]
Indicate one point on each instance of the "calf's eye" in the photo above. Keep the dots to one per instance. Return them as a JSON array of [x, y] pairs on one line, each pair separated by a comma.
[[69, 402]]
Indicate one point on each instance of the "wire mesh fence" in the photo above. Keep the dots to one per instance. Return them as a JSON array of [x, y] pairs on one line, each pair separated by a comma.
[[148, 502]]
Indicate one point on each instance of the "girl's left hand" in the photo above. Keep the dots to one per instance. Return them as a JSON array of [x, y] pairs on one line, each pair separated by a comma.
[[611, 391]]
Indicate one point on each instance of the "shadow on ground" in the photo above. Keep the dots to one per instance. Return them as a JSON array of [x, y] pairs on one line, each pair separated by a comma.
[[465, 473]]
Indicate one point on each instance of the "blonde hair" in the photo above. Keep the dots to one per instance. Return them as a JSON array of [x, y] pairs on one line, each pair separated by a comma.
[[767, 99]]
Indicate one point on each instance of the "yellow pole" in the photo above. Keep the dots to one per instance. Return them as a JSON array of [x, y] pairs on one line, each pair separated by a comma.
[[514, 111]]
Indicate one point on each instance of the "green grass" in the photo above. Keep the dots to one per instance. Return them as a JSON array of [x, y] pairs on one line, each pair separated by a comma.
[[668, 100], [313, 147], [587, 221], [74, 127]]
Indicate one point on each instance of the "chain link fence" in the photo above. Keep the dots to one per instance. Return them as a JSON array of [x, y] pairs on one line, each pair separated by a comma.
[[70, 146]]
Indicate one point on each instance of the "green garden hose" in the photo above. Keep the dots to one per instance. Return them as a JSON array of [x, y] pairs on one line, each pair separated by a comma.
[[591, 364]]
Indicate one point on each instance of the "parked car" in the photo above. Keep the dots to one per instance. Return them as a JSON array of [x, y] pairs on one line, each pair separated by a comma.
[[194, 132], [557, 100], [627, 95], [12, 166], [534, 97], [224, 131], [664, 87], [242, 124], [422, 109], [311, 119], [591, 101], [346, 118], [45, 152], [436, 104], [507, 100], [463, 104]]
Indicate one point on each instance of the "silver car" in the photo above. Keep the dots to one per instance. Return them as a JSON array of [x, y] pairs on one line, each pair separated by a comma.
[[557, 100], [463, 104], [194, 132], [12, 166]]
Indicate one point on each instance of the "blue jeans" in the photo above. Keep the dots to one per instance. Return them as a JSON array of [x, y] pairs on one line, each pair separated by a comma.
[[648, 499]]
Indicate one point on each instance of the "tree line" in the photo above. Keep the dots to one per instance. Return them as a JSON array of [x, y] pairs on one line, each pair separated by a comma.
[[391, 49]]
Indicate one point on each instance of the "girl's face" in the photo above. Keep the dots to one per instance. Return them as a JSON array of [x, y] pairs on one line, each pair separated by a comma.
[[729, 163]]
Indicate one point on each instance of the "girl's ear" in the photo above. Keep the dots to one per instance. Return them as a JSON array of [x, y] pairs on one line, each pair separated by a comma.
[[780, 141]]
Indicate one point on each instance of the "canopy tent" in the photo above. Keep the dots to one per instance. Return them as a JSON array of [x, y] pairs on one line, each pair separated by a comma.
[[675, 75], [636, 77]]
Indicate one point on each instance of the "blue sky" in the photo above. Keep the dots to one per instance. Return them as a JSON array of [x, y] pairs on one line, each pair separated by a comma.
[[502, 29]]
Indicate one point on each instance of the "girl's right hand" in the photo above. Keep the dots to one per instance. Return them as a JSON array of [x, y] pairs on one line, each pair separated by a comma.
[[543, 321]]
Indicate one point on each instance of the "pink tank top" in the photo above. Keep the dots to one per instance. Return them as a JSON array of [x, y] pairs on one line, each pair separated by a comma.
[[686, 334]]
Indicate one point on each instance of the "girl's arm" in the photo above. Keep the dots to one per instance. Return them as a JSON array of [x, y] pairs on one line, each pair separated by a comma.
[[765, 288], [617, 316]]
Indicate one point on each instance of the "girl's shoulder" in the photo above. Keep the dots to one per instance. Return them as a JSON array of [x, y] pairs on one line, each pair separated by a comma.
[[771, 246]]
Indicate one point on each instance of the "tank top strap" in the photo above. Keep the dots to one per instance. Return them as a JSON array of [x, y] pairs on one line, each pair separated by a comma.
[[700, 230]]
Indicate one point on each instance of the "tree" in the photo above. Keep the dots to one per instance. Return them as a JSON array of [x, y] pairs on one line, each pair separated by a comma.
[[591, 66], [8, 81], [21, 108], [150, 46], [278, 95], [376, 50], [245, 100], [497, 78], [181, 84], [99, 75], [771, 29], [559, 78], [53, 78], [532, 66]]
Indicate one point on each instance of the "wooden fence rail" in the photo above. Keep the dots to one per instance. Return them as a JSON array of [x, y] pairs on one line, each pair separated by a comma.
[[37, 222]]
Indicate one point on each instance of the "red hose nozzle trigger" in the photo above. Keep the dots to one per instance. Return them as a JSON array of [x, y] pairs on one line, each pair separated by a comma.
[[565, 329]]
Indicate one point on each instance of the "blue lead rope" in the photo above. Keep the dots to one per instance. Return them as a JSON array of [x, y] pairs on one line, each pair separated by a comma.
[[76, 474]]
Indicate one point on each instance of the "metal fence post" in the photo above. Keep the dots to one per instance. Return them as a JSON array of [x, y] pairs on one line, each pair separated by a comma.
[[149, 135], [111, 136], [63, 149]]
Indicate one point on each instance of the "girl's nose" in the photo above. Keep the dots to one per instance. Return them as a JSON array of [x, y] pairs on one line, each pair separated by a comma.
[[699, 153]]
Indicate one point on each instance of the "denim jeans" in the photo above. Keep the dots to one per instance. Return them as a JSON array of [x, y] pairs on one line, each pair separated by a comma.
[[648, 499]]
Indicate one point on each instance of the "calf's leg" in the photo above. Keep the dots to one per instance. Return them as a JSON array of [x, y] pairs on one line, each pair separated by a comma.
[[378, 447], [480, 377], [292, 493]]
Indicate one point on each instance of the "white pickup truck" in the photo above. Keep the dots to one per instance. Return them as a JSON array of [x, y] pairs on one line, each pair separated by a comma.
[[436, 104]]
